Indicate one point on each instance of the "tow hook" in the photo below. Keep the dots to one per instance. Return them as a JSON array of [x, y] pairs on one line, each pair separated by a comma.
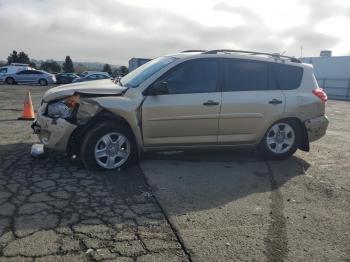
[[36, 128]]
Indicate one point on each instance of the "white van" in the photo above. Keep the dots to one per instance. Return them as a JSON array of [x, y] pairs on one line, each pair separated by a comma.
[[12, 69]]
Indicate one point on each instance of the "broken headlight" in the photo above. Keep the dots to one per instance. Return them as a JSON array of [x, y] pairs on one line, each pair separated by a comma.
[[64, 108]]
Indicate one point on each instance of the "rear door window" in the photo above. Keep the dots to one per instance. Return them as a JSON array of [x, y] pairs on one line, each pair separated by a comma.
[[245, 75], [25, 72], [3, 70], [288, 77]]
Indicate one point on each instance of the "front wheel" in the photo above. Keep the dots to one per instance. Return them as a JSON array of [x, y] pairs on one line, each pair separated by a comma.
[[281, 140], [108, 146], [10, 81]]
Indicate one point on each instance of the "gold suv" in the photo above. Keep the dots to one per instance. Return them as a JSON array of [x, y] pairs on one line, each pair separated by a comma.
[[193, 99]]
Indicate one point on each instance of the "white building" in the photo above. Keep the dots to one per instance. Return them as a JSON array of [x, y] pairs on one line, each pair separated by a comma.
[[136, 62], [328, 66], [332, 73]]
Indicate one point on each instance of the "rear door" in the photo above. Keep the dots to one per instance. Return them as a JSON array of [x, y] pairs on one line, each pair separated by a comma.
[[23, 76], [251, 101], [35, 76], [188, 115]]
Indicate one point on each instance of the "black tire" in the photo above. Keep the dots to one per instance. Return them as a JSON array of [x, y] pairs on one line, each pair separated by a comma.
[[87, 151], [43, 82], [269, 154], [10, 81]]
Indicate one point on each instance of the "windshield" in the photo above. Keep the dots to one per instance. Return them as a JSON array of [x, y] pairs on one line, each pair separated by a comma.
[[142, 73]]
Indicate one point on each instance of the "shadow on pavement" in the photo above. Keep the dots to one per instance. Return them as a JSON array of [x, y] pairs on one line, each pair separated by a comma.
[[192, 181], [215, 197]]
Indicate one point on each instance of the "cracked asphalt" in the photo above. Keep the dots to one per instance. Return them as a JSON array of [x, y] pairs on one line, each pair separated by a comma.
[[195, 206], [53, 210]]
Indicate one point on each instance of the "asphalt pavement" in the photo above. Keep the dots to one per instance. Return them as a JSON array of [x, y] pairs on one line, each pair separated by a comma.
[[196, 206]]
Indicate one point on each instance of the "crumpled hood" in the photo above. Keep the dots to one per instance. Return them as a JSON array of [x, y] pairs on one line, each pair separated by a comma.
[[97, 87]]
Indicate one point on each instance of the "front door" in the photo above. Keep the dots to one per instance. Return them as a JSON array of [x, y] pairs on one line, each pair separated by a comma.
[[250, 101], [188, 114]]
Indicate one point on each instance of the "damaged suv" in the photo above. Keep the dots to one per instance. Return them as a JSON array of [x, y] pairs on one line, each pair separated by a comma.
[[193, 99]]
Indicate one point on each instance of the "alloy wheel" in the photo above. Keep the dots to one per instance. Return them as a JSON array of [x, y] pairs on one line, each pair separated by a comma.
[[112, 150], [280, 138]]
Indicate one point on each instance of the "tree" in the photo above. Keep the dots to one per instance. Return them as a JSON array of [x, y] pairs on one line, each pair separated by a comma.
[[123, 70], [23, 58], [20, 57], [68, 65], [13, 57], [51, 66], [107, 68], [80, 68]]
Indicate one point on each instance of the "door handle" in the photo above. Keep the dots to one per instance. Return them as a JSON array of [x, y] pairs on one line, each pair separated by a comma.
[[275, 101], [210, 103]]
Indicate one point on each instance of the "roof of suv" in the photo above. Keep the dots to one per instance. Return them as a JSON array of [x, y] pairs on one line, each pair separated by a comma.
[[242, 54]]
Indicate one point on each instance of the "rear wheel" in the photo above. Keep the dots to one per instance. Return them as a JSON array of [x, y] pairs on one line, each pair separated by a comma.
[[43, 82], [281, 140], [10, 81], [108, 146]]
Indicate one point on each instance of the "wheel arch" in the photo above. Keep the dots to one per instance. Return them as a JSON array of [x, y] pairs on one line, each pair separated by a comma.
[[10, 77], [43, 79], [77, 136]]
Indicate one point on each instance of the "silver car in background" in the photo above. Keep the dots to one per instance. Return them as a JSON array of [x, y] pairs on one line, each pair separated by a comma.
[[91, 76], [12, 69], [31, 77]]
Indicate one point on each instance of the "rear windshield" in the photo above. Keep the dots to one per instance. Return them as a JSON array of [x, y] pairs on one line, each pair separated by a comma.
[[288, 77]]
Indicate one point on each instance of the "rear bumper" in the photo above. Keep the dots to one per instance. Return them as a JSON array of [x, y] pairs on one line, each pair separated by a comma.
[[316, 127]]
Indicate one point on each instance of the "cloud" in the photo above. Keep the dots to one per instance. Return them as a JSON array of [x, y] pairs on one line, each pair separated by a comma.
[[114, 31]]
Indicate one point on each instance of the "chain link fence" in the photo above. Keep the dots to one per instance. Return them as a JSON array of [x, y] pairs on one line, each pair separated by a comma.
[[336, 88]]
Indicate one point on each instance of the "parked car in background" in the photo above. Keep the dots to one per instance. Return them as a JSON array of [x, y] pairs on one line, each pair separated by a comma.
[[31, 77], [65, 78], [87, 73], [193, 99], [91, 77], [12, 69]]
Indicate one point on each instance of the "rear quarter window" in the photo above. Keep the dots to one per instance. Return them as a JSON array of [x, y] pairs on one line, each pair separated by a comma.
[[288, 77]]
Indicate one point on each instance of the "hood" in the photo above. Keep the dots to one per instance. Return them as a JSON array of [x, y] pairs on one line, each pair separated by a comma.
[[97, 87]]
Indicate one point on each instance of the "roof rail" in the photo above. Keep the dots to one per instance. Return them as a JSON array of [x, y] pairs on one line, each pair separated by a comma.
[[273, 55], [190, 51]]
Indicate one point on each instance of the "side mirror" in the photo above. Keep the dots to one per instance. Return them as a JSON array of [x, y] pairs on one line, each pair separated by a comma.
[[159, 88]]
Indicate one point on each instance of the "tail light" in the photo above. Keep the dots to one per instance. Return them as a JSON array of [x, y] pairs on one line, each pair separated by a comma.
[[320, 93]]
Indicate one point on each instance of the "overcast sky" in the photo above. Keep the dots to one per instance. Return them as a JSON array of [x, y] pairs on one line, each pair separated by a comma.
[[113, 31]]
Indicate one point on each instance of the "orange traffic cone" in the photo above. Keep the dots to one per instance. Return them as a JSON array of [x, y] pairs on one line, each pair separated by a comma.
[[28, 112]]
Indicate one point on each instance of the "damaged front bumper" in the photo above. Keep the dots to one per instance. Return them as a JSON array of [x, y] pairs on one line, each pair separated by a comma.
[[53, 133], [316, 127]]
